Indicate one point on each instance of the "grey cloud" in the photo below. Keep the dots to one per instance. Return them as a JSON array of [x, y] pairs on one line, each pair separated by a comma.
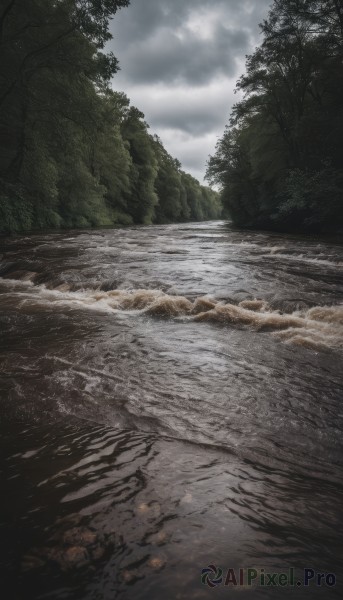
[[171, 53], [144, 17], [193, 155], [194, 121], [150, 49], [165, 57], [191, 114]]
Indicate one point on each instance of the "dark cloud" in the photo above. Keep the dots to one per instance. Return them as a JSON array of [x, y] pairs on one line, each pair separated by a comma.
[[179, 62], [149, 15], [185, 109], [189, 59], [155, 40], [196, 120]]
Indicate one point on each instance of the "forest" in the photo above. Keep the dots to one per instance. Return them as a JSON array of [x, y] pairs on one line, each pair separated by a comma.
[[279, 163], [74, 152]]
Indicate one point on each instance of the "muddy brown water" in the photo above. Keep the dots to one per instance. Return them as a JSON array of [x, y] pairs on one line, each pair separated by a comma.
[[170, 398]]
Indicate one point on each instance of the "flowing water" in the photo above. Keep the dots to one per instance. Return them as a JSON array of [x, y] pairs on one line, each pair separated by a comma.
[[170, 398]]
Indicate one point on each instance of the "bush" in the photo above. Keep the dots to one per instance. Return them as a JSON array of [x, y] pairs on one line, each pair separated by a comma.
[[16, 212]]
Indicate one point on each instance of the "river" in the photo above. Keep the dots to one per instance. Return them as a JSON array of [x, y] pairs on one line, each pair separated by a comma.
[[170, 399]]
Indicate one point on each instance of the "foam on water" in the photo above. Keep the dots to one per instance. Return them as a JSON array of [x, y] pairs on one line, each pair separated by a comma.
[[317, 327], [317, 262], [175, 410]]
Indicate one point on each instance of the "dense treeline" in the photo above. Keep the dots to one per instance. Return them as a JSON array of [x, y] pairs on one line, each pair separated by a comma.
[[73, 153], [280, 161]]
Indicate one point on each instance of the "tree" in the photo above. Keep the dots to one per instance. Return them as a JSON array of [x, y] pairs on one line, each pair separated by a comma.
[[142, 198], [51, 67], [73, 153], [289, 121], [168, 185]]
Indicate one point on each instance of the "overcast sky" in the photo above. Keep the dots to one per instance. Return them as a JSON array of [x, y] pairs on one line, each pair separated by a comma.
[[180, 60]]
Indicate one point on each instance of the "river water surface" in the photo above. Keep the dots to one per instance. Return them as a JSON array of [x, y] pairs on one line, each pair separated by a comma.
[[170, 398]]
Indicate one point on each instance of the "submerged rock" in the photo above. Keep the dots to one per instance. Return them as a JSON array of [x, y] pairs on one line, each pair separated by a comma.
[[73, 549]]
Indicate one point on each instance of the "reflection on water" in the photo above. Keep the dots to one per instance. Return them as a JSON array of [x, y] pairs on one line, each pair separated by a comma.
[[170, 398]]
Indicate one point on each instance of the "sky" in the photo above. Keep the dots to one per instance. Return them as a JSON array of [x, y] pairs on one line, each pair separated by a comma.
[[179, 61]]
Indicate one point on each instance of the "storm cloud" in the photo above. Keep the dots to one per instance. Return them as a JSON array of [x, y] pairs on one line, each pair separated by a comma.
[[180, 60]]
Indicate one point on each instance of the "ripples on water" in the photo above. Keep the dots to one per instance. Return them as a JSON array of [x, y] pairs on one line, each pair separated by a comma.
[[171, 397]]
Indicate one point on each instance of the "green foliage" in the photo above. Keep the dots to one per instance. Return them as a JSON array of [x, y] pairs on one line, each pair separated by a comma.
[[15, 211], [168, 186], [142, 197], [181, 197], [73, 153], [305, 194], [194, 197], [280, 162]]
